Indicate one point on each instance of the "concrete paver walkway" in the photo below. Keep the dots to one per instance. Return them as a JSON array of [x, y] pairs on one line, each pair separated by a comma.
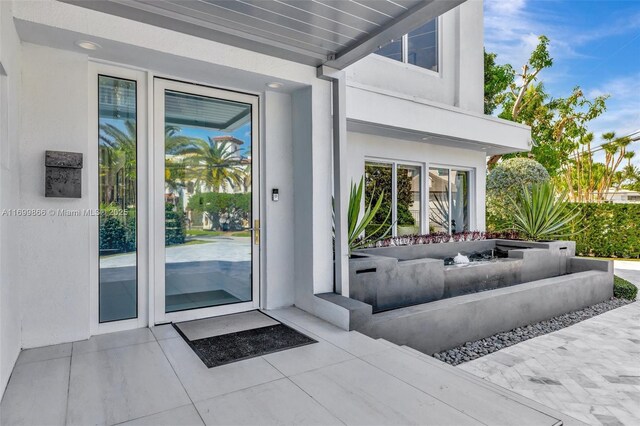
[[590, 371], [152, 377]]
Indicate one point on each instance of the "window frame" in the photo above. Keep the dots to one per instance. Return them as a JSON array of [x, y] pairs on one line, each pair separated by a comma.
[[97, 69], [394, 189], [404, 49], [470, 195], [137, 110]]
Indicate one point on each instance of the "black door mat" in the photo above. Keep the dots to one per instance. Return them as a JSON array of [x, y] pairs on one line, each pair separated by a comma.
[[227, 348]]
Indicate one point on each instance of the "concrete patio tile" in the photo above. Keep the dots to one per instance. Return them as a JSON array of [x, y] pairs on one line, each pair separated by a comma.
[[596, 373], [582, 416], [507, 359], [358, 393], [165, 331], [36, 394], [608, 420], [623, 416], [120, 384], [499, 380], [353, 342], [306, 358], [631, 408], [44, 353], [113, 340], [475, 400], [577, 391], [203, 383], [275, 403], [187, 415]]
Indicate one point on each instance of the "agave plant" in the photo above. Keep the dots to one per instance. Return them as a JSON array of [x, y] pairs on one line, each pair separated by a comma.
[[356, 224], [541, 214]]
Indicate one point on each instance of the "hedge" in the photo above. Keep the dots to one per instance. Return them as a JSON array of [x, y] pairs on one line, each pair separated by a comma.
[[118, 234], [506, 180], [608, 230], [623, 289], [235, 207]]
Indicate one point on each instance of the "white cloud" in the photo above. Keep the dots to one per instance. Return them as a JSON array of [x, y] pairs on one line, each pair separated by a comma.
[[623, 108], [512, 28]]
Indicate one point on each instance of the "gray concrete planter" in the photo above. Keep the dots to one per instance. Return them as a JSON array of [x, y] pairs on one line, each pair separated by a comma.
[[408, 296], [392, 277]]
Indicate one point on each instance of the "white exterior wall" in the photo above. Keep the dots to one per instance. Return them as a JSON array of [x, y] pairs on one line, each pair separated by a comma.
[[459, 81], [278, 163], [45, 276], [397, 105], [52, 263], [53, 250], [10, 330], [362, 147]]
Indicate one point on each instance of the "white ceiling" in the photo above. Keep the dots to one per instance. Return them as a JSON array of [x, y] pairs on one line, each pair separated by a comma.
[[314, 32]]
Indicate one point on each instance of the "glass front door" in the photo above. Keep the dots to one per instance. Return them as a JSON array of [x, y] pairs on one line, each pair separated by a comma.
[[206, 203]]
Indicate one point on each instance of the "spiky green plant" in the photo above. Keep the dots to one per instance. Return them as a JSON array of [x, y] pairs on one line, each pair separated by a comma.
[[357, 224], [541, 213]]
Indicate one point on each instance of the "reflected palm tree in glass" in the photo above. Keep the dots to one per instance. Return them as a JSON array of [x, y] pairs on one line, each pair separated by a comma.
[[215, 165]]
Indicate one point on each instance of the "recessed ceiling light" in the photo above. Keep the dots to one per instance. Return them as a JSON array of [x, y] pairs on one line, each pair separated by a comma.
[[275, 85], [88, 45], [426, 138]]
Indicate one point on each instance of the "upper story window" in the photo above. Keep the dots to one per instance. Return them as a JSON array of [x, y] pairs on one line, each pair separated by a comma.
[[419, 47]]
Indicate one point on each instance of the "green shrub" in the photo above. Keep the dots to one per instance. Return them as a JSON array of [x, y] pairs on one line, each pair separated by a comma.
[[506, 179], [175, 230], [214, 204], [117, 232], [623, 289], [358, 223], [113, 235], [608, 230], [130, 234], [541, 213], [405, 218]]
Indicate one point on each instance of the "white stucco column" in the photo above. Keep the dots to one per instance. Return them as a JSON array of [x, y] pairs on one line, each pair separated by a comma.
[[340, 184], [340, 175]]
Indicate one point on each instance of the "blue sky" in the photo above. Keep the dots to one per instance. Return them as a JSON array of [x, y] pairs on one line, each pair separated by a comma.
[[242, 133], [595, 44]]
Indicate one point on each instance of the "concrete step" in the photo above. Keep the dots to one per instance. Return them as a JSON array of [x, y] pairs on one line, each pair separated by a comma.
[[412, 351], [387, 343]]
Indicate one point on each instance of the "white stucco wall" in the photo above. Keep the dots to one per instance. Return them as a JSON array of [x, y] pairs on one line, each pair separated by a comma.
[[10, 335], [459, 80], [362, 146], [46, 260], [54, 263], [54, 255], [279, 216]]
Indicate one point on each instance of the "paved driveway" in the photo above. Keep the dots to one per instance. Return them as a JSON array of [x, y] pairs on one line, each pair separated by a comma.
[[590, 370]]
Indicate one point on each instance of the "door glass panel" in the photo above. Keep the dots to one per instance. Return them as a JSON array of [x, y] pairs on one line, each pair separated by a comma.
[[117, 145], [207, 201], [459, 201], [408, 199], [438, 200], [378, 182]]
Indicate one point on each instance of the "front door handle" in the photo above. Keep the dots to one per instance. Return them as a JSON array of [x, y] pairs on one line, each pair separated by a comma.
[[256, 231]]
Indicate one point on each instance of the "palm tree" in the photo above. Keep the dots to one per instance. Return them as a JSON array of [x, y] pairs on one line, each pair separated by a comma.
[[214, 164], [118, 163]]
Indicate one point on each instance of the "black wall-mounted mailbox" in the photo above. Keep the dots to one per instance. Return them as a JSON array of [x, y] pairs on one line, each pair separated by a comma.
[[63, 176]]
